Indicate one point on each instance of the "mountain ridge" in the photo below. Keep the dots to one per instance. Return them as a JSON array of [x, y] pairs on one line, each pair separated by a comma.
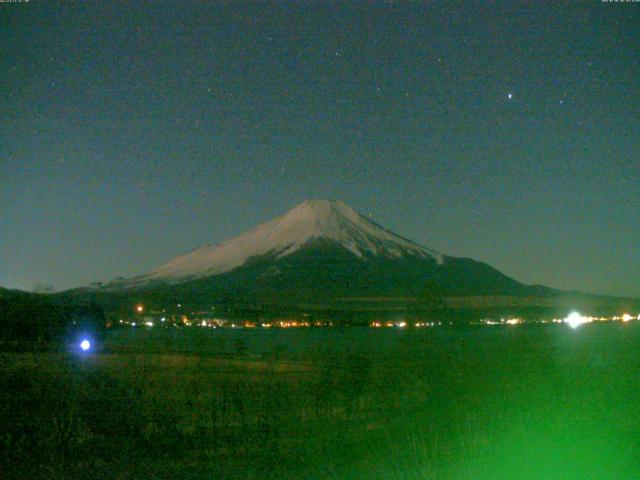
[[320, 249], [312, 219]]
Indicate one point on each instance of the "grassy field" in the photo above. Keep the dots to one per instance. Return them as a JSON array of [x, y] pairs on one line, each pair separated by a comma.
[[522, 402]]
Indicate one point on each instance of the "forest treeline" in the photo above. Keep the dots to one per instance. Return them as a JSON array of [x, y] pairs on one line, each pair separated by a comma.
[[42, 318]]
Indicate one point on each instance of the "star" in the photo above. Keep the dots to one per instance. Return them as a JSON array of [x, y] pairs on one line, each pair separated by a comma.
[[509, 95]]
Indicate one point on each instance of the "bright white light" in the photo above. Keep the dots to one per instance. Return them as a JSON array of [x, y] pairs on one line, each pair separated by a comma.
[[509, 95], [575, 320], [85, 345], [149, 324], [626, 317]]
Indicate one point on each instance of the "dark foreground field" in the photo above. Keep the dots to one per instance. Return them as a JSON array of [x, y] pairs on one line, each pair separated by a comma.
[[519, 402]]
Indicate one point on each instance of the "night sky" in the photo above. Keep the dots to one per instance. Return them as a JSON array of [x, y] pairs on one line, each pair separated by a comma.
[[134, 132]]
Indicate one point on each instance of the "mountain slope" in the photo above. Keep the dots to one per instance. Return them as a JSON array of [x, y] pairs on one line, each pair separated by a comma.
[[321, 249], [286, 234], [323, 270]]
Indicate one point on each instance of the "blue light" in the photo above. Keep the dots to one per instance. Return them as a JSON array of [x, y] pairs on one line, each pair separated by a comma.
[[85, 345]]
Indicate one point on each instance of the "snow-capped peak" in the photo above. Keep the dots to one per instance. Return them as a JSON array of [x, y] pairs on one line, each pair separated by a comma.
[[313, 219]]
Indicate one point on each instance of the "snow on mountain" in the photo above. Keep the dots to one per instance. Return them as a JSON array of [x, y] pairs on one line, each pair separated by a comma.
[[311, 220]]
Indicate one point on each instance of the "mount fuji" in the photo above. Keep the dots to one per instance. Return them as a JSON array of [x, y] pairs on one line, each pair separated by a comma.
[[321, 249]]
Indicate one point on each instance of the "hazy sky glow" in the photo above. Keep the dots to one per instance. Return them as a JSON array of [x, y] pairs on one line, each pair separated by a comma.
[[132, 132]]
